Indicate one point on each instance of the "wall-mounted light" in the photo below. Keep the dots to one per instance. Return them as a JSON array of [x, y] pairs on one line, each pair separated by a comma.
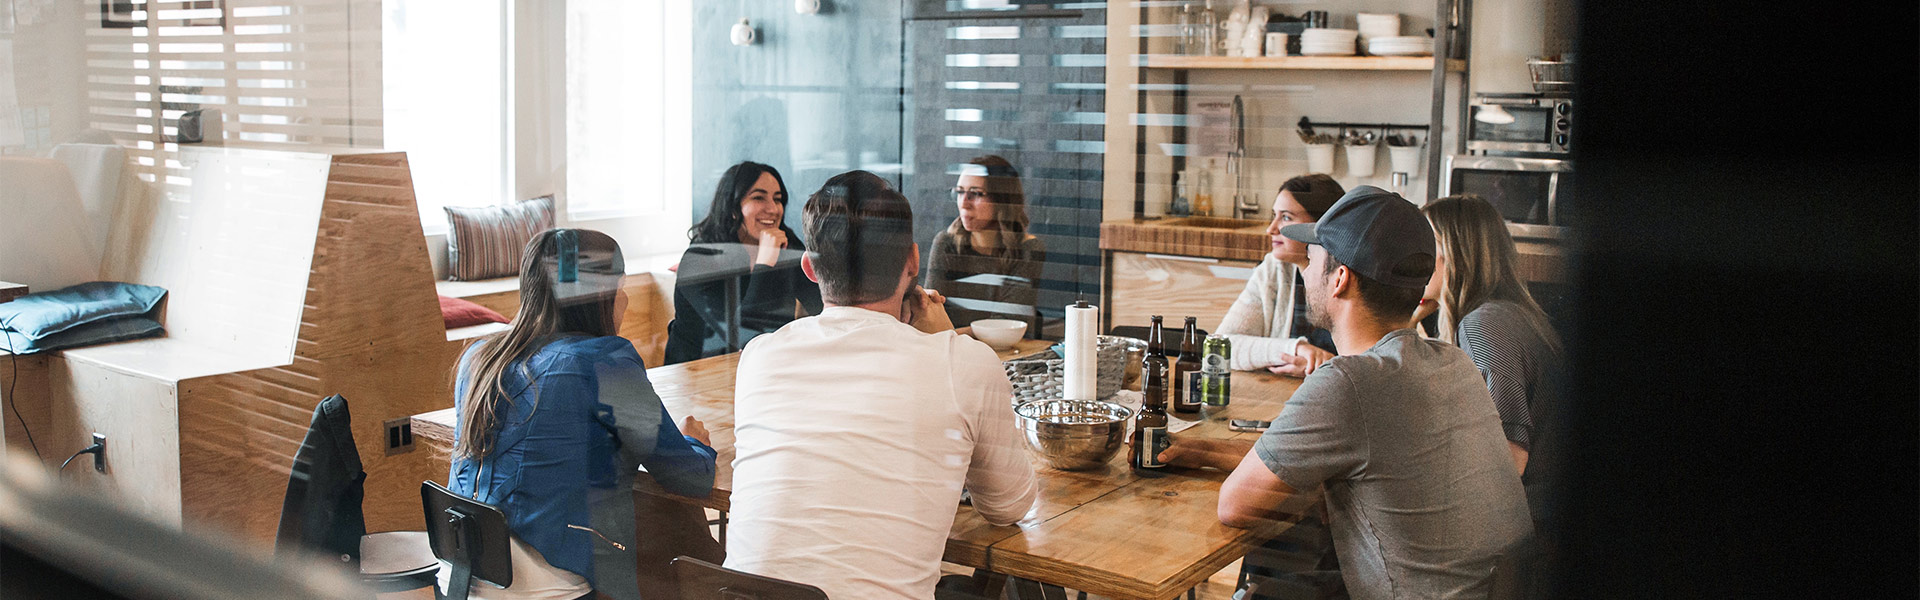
[[743, 33], [806, 7]]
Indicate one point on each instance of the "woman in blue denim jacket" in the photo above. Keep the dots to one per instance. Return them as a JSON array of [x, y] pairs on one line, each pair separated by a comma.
[[556, 414]]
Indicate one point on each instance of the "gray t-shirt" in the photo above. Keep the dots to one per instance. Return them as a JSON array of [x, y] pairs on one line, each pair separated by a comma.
[[1421, 492]]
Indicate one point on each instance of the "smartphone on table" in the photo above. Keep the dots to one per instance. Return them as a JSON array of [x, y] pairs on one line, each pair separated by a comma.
[[1248, 425]]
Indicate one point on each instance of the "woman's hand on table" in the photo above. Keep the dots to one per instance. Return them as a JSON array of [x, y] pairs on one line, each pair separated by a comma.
[[1303, 364], [771, 242], [693, 428], [1196, 453]]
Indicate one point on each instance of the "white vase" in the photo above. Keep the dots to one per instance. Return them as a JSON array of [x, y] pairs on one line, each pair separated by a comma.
[[1320, 158], [1360, 160]]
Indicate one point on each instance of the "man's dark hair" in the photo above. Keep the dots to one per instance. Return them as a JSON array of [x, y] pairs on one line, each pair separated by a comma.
[[1386, 301], [862, 236]]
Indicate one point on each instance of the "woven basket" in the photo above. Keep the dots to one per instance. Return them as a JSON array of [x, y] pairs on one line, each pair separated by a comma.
[[1042, 375]]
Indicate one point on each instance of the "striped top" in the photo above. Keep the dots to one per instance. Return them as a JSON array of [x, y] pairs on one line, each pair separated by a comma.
[[1516, 362]]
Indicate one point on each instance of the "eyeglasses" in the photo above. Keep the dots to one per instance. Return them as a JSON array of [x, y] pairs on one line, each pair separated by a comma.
[[975, 193]]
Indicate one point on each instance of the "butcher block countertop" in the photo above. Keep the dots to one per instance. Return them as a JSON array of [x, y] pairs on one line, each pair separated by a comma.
[[1241, 239], [1208, 237]]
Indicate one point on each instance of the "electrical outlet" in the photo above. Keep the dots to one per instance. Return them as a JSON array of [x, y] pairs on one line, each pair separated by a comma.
[[100, 458], [399, 435]]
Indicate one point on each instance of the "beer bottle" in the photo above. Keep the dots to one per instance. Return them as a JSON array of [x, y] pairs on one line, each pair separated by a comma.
[[1184, 402], [1150, 426], [1156, 358]]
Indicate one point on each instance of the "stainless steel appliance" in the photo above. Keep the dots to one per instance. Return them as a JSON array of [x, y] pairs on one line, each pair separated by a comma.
[[1531, 193], [1530, 123]]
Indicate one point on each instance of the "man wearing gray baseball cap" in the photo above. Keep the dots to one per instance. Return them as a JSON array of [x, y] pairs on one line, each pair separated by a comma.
[[1400, 431]]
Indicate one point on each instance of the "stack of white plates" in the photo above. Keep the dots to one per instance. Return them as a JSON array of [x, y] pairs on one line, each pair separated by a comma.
[[1400, 46], [1328, 42]]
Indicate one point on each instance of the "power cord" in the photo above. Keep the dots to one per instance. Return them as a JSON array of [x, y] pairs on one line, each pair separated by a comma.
[[13, 364], [98, 450]]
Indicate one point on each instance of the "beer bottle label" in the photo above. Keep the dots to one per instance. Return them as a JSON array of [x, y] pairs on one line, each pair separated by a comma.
[[1153, 441], [1197, 388]]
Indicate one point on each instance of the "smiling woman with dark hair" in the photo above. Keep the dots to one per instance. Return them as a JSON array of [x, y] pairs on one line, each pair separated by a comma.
[[743, 234]]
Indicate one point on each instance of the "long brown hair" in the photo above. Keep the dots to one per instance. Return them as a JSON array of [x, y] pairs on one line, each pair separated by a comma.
[[548, 306], [1482, 265], [1009, 211]]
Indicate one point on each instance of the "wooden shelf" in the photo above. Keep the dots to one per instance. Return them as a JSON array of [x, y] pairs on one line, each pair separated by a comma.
[[1327, 63]]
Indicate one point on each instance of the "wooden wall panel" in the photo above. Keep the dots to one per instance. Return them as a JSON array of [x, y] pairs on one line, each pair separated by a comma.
[[139, 416], [371, 332], [27, 376], [1172, 287]]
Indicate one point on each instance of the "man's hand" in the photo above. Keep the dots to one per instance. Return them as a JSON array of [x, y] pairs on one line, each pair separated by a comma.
[[1199, 453], [771, 241], [929, 311], [1303, 364], [693, 428]]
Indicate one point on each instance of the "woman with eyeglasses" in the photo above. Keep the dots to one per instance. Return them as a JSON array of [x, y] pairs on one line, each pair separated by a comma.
[[744, 241], [554, 416], [985, 263]]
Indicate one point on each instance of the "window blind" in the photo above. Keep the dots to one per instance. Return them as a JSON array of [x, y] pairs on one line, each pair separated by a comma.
[[283, 73], [1025, 81]]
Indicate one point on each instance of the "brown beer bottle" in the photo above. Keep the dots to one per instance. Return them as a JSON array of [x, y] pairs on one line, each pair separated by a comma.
[[1150, 426], [1184, 401]]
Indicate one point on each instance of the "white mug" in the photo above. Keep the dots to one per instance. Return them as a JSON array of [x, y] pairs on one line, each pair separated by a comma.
[[1276, 44]]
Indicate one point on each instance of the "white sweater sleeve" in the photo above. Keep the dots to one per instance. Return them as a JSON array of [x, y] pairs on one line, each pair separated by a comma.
[[1245, 326]]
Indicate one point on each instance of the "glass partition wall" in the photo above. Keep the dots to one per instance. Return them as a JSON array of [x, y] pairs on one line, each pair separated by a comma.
[[916, 92]]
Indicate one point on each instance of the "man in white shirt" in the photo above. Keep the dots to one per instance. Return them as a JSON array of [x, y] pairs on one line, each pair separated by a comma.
[[856, 429]]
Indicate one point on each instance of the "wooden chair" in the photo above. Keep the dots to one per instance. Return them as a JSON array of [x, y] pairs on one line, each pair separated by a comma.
[[472, 538], [702, 580]]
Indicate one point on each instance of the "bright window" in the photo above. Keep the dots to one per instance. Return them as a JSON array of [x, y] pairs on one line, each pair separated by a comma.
[[624, 157], [445, 101]]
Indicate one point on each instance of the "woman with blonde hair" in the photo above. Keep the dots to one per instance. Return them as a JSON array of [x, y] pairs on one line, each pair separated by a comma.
[[1485, 308], [988, 238]]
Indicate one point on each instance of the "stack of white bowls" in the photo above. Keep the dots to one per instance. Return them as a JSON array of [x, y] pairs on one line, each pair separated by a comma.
[[1377, 25], [1329, 42], [1400, 46]]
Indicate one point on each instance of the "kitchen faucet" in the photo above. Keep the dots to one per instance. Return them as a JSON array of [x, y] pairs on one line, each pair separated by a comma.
[[1245, 205]]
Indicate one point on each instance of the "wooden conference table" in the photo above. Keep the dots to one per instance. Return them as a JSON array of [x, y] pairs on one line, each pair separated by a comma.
[[1105, 531]]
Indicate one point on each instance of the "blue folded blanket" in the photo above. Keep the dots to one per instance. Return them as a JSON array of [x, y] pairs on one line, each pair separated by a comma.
[[85, 314]]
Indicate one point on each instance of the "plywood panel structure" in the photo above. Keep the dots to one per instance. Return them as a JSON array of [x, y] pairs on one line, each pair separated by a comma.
[[370, 330], [292, 276]]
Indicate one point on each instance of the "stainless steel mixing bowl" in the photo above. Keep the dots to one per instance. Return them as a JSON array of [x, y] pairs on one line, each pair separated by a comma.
[[1073, 435]]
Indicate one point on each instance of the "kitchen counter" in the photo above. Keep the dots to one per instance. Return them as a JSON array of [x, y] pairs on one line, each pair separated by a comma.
[[1246, 240], [1206, 237]]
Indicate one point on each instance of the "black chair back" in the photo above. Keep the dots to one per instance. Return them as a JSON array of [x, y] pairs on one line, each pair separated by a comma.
[[702, 580], [472, 538]]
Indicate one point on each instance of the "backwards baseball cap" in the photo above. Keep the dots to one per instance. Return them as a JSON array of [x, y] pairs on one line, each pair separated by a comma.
[[1370, 230]]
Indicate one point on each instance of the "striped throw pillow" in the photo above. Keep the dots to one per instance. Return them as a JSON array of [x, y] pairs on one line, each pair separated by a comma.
[[485, 242]]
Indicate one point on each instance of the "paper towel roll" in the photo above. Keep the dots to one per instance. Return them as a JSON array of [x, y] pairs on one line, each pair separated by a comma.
[[1082, 379]]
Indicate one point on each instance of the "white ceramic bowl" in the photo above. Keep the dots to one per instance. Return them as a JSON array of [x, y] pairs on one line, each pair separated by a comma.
[[1001, 334]]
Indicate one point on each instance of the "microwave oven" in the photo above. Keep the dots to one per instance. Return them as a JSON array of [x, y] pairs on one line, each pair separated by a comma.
[[1532, 194], [1532, 123]]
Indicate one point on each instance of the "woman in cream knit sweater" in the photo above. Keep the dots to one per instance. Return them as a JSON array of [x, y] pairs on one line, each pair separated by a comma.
[[1267, 324]]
